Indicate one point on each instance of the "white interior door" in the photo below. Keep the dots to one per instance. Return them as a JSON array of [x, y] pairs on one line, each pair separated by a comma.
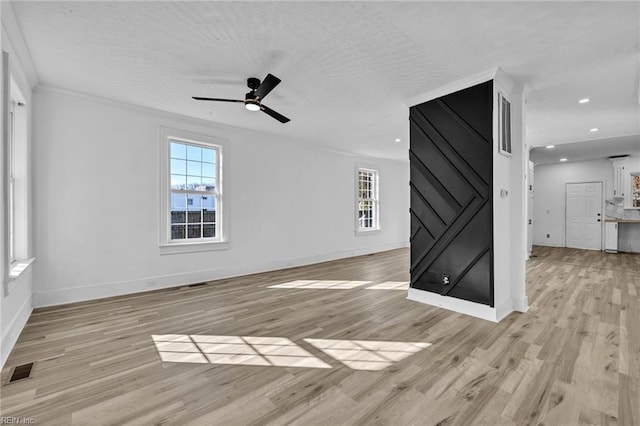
[[530, 209], [584, 215]]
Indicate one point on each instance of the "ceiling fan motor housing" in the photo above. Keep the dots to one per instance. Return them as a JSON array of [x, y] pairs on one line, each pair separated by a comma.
[[253, 83]]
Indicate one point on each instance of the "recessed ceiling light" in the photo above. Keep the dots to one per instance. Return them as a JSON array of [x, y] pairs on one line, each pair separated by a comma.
[[595, 129], [584, 101], [397, 140], [563, 159], [550, 146]]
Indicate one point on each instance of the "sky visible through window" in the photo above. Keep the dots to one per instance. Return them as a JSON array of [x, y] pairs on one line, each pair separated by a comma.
[[193, 167]]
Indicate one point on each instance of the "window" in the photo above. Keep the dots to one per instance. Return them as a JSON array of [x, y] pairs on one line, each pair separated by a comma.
[[16, 175], [193, 174], [367, 200], [504, 122], [11, 158], [192, 181], [635, 190]]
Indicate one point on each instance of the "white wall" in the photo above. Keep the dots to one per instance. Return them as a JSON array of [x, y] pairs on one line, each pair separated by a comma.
[[290, 203], [16, 305], [509, 211], [549, 201], [3, 201]]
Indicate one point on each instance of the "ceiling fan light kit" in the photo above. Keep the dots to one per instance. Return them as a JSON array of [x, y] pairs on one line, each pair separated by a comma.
[[253, 99], [252, 106]]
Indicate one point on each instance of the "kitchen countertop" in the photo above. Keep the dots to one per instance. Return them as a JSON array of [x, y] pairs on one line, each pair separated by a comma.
[[612, 219]]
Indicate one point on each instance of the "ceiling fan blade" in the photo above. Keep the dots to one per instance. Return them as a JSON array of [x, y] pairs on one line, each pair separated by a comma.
[[281, 118], [269, 82], [197, 98]]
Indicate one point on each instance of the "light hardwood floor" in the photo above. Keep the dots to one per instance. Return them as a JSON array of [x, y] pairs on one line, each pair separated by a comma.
[[574, 358]]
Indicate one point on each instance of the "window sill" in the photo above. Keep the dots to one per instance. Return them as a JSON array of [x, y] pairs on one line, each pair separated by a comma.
[[18, 267], [16, 270], [178, 248], [361, 232]]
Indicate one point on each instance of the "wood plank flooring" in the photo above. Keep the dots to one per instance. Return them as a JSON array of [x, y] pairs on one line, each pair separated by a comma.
[[574, 358]]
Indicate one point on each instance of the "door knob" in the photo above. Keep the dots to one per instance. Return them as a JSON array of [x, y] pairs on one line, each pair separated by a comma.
[[598, 214], [599, 220]]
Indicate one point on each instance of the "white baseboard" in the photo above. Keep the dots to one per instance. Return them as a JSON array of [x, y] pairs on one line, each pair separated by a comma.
[[503, 309], [119, 288], [628, 251], [549, 244], [13, 330], [521, 304], [466, 307]]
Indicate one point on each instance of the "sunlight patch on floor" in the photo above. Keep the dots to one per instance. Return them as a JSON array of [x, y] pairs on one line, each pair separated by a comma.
[[235, 350], [324, 284], [390, 285], [371, 355], [367, 354]]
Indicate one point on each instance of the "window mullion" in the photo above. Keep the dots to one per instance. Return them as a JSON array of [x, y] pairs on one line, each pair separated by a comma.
[[190, 192]]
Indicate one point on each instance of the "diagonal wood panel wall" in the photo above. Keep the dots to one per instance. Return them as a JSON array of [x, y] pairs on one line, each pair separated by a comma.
[[451, 194]]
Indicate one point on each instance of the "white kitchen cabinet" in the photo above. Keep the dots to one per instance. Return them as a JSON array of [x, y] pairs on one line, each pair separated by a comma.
[[619, 178], [611, 237]]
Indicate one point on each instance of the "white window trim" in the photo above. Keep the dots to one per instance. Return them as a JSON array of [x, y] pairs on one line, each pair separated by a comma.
[[15, 192], [166, 246], [377, 229], [18, 265]]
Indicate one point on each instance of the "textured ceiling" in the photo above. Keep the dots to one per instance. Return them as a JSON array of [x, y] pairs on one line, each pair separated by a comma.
[[348, 68], [587, 150]]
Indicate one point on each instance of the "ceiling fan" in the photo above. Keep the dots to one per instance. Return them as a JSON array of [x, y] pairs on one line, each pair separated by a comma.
[[253, 100]]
